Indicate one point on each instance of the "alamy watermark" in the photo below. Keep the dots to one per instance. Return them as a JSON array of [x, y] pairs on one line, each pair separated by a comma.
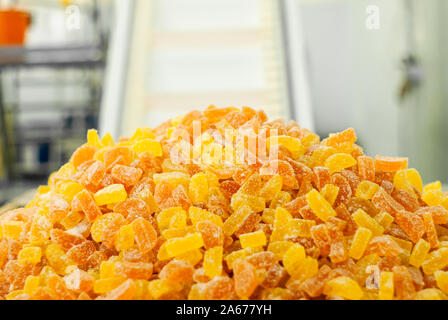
[[73, 18], [373, 21]]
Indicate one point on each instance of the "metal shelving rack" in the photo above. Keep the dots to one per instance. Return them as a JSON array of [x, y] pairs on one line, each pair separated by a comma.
[[87, 58], [60, 137]]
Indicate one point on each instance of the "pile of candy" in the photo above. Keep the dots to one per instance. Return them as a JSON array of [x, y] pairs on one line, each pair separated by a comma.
[[147, 217]]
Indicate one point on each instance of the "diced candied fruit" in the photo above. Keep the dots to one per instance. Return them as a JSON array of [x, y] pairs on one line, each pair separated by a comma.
[[419, 253], [212, 234], [197, 215], [366, 168], [30, 254], [12, 229], [386, 289], [125, 291], [339, 161], [198, 188], [213, 262], [87, 204], [236, 219], [384, 219], [177, 246], [245, 276], [254, 239], [335, 139], [403, 283], [177, 271], [366, 189], [293, 258], [125, 238], [306, 219], [344, 287], [408, 179], [442, 280], [436, 260], [126, 175], [362, 219], [79, 280], [411, 223], [105, 285], [360, 242], [319, 205], [110, 194], [390, 164], [31, 284], [134, 270], [330, 193], [145, 234]]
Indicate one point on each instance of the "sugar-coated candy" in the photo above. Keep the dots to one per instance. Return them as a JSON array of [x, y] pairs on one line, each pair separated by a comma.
[[279, 214], [344, 287]]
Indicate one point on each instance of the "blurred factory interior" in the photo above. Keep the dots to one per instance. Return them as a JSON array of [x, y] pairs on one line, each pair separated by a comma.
[[67, 66]]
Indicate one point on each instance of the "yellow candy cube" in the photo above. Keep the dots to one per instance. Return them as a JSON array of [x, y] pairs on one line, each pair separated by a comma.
[[319, 205], [177, 246], [69, 189], [148, 145], [239, 200], [272, 187], [292, 144], [198, 188], [174, 217], [30, 254], [433, 197], [107, 140], [433, 186], [362, 219], [339, 161], [442, 280], [307, 269], [300, 227], [293, 258], [386, 286], [419, 253], [281, 224], [344, 287], [110, 194], [193, 256], [157, 288], [31, 284], [384, 219], [56, 258], [93, 139], [279, 248], [236, 219], [268, 215], [107, 284], [12, 229], [197, 214], [366, 189], [429, 294], [213, 262], [408, 179], [13, 294], [125, 238], [360, 242], [436, 260], [330, 193], [177, 232], [143, 133], [253, 239], [107, 269], [239, 254]]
